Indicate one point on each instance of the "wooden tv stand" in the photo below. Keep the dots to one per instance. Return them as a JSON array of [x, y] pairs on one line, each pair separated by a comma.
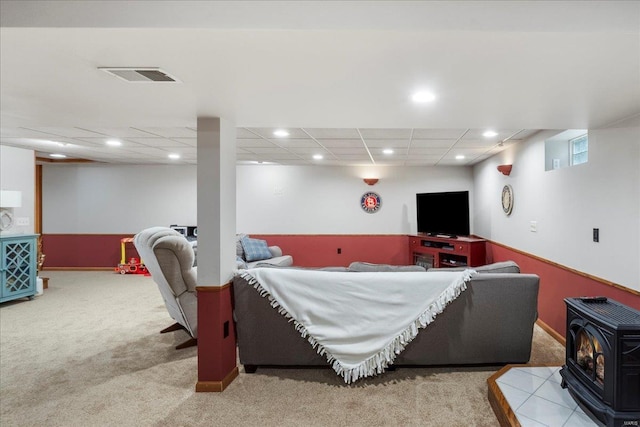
[[432, 251]]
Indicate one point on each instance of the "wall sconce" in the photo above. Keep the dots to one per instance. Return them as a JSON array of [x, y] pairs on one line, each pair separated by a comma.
[[505, 169], [8, 200], [371, 181]]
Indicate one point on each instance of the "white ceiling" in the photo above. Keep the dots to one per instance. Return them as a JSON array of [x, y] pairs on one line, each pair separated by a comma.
[[337, 75]]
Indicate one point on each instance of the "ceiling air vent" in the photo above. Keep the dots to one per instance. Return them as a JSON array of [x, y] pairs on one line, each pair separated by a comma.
[[140, 74]]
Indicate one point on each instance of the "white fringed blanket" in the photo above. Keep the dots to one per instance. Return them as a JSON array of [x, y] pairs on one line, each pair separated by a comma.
[[360, 321]]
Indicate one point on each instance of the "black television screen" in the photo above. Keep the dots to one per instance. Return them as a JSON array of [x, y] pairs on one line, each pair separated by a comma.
[[443, 213]]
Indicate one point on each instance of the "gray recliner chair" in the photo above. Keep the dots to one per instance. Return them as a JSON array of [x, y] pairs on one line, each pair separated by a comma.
[[169, 258]]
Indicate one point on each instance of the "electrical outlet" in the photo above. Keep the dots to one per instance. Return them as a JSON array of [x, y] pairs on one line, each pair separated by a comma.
[[339, 251], [22, 221], [596, 235], [533, 226]]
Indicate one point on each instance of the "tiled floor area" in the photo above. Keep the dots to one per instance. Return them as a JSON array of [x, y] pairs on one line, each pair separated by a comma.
[[535, 396]]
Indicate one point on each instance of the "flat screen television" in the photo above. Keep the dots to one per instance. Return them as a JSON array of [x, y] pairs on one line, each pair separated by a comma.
[[444, 213]]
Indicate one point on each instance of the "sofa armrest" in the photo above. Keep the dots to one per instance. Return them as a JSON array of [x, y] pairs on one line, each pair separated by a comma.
[[275, 251]]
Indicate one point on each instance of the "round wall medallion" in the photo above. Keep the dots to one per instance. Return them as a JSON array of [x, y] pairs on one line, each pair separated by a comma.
[[507, 199], [370, 202]]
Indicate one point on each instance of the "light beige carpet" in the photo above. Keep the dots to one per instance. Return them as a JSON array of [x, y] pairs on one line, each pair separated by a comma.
[[89, 353]]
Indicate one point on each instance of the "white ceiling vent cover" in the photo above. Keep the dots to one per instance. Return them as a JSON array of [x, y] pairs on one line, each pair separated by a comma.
[[140, 74]]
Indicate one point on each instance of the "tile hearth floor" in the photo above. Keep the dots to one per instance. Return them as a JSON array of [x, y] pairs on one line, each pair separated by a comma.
[[537, 399]]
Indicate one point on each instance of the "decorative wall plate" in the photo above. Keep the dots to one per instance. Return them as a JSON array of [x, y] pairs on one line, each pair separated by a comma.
[[370, 202], [507, 199]]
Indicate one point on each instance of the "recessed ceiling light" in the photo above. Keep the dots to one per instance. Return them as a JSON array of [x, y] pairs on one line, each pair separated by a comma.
[[318, 157], [57, 156], [280, 133], [114, 143], [423, 97], [174, 156], [387, 151], [489, 134], [459, 157]]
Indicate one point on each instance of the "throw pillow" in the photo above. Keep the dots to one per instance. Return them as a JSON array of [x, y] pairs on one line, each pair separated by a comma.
[[255, 249]]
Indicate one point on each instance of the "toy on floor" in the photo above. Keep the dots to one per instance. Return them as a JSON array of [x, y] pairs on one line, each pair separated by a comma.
[[134, 266]]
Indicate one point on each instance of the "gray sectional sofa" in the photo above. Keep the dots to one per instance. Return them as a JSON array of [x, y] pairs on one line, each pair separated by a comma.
[[489, 323]]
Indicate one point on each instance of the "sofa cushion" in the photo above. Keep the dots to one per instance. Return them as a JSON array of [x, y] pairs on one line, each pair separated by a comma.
[[499, 267], [365, 266], [239, 250], [255, 249], [496, 267]]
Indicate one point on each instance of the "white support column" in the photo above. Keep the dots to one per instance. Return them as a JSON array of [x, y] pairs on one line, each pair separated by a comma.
[[216, 253], [216, 201]]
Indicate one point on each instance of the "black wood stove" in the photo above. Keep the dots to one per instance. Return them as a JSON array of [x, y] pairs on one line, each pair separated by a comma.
[[602, 368]]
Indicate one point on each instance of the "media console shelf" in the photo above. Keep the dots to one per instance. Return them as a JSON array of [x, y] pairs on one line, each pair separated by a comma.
[[440, 252]]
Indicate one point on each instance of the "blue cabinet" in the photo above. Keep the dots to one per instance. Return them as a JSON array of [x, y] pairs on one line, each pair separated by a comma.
[[18, 266]]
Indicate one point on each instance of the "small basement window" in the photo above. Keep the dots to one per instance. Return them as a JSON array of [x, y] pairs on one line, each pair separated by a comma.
[[568, 148], [579, 149]]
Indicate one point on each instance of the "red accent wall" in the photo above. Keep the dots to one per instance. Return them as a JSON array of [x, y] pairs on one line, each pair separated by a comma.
[[307, 250], [557, 283], [84, 250], [321, 250]]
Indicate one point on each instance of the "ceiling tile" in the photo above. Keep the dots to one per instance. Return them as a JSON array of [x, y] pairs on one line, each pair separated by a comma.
[[341, 142], [501, 134], [438, 133], [346, 133], [148, 151], [389, 162], [157, 142], [450, 163], [432, 143], [420, 162], [170, 132], [295, 142], [23, 133], [427, 151], [348, 150], [309, 151], [385, 133], [387, 143], [268, 133], [243, 133], [266, 150], [247, 143], [288, 156], [476, 143], [67, 132], [354, 157], [187, 141], [118, 132]]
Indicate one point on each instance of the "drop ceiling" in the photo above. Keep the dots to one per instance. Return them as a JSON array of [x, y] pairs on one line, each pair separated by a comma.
[[337, 75]]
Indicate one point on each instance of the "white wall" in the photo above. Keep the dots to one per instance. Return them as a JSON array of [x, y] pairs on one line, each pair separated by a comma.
[[108, 199], [326, 200], [17, 172], [568, 203], [270, 199]]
